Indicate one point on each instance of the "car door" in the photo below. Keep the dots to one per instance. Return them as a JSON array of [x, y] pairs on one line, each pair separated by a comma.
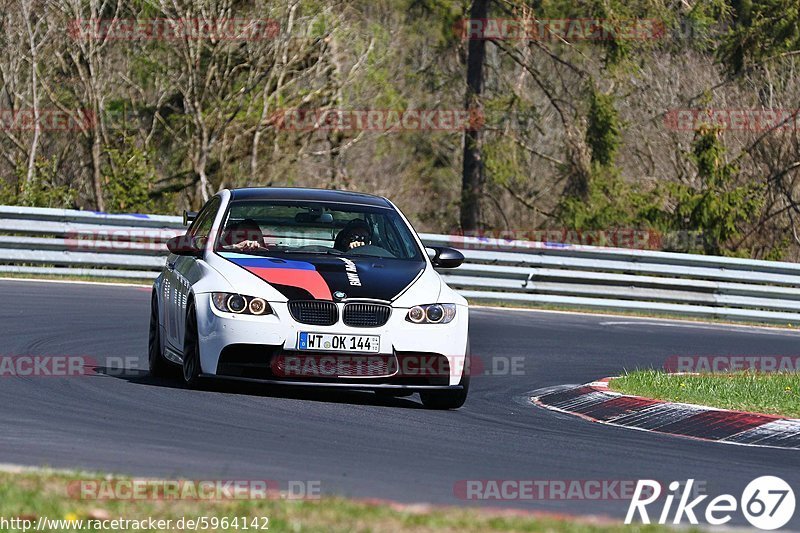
[[185, 271], [176, 287]]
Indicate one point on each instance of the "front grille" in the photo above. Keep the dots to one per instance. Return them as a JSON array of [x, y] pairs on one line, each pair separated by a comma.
[[314, 312], [366, 315]]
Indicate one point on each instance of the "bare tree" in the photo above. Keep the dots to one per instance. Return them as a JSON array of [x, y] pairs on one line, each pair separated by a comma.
[[87, 57], [207, 70], [36, 39]]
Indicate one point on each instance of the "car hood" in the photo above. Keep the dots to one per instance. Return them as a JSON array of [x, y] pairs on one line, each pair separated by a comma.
[[321, 277]]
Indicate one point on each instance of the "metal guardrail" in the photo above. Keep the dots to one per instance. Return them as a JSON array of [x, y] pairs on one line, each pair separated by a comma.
[[83, 243]]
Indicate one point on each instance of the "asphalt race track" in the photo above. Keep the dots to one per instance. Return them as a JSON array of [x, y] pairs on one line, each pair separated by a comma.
[[355, 443]]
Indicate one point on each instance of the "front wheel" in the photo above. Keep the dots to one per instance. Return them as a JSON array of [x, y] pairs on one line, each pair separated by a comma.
[[191, 350], [445, 399], [449, 399]]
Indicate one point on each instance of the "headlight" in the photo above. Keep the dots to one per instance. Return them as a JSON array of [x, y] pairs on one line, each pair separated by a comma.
[[236, 303], [432, 314], [258, 306], [416, 314]]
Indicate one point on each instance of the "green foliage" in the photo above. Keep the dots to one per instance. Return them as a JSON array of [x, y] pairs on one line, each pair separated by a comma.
[[701, 20], [432, 174], [553, 139], [778, 250], [128, 180], [43, 190], [718, 207], [717, 210], [761, 30], [618, 17], [611, 203], [603, 129], [502, 161]]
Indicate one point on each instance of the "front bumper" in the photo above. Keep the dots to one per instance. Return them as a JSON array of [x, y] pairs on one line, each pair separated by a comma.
[[255, 341], [356, 385]]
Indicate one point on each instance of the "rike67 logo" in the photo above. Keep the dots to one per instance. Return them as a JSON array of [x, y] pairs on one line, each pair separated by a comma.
[[767, 503]]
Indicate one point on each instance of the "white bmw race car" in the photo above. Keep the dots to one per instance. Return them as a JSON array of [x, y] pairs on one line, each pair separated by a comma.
[[310, 287]]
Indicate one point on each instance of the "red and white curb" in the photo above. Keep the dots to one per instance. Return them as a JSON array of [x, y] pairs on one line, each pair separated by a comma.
[[593, 401]]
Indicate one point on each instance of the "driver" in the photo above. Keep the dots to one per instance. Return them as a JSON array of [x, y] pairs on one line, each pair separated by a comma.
[[355, 233], [245, 236]]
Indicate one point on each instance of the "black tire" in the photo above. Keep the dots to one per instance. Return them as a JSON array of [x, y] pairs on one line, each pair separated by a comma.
[[449, 399], [191, 350], [158, 366]]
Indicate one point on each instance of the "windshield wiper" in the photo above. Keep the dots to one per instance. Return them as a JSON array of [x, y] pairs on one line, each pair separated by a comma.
[[371, 255], [316, 252]]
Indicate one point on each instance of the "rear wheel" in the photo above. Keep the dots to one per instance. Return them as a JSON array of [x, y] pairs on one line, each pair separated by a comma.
[[158, 365], [191, 350], [449, 399]]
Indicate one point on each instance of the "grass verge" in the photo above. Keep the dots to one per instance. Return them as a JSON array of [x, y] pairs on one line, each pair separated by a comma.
[[33, 494], [770, 393]]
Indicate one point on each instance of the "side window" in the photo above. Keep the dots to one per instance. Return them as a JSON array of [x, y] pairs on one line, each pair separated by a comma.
[[205, 219]]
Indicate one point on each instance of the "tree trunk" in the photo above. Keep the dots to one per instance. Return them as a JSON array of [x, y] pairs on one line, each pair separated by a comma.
[[97, 178], [472, 177], [200, 168], [26, 12]]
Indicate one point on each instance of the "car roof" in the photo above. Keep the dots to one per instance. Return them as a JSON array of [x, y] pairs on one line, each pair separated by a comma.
[[308, 194]]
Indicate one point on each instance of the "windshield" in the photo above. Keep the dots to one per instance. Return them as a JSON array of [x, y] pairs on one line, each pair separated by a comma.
[[269, 227]]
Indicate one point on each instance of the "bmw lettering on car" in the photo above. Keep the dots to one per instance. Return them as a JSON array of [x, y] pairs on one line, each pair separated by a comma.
[[310, 287]]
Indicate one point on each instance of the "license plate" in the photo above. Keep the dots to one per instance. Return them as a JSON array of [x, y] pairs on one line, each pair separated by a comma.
[[339, 343]]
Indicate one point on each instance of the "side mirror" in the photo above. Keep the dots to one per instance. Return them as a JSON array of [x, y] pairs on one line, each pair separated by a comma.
[[185, 245], [446, 257]]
